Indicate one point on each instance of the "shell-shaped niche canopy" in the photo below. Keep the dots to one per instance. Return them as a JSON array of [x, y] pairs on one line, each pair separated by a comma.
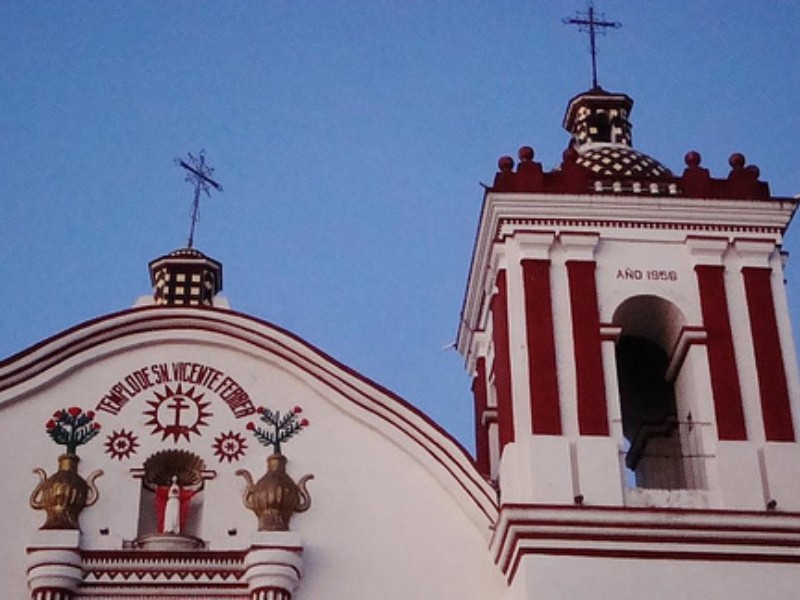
[[162, 466]]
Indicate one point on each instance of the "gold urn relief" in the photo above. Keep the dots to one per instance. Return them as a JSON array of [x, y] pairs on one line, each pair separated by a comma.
[[275, 498], [64, 494]]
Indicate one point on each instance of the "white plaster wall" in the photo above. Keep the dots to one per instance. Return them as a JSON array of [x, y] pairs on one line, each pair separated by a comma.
[[642, 256], [577, 578]]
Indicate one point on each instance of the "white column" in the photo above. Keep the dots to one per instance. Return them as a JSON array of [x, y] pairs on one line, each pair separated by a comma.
[[274, 565], [517, 343], [786, 338], [54, 564]]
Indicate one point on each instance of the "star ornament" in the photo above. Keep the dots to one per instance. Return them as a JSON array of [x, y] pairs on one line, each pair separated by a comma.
[[121, 444], [229, 446], [177, 413]]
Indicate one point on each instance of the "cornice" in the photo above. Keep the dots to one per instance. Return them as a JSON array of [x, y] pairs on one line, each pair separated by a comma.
[[643, 534]]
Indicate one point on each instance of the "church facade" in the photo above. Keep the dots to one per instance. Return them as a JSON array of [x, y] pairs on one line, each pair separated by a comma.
[[636, 410]]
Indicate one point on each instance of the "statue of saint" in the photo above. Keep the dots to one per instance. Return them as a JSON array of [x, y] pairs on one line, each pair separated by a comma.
[[172, 506]]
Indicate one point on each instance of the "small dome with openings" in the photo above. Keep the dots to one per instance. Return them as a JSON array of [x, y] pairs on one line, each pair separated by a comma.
[[601, 134]]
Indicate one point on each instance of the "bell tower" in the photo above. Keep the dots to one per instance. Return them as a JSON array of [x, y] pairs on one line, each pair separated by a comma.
[[628, 335]]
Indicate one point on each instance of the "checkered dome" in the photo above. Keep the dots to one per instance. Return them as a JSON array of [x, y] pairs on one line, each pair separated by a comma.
[[621, 161]]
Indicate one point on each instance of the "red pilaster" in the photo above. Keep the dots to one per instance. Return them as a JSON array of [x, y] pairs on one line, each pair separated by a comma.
[[543, 376], [772, 383], [481, 427], [721, 358], [591, 388], [502, 362]]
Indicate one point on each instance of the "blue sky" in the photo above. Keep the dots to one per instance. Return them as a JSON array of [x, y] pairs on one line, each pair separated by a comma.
[[350, 138]]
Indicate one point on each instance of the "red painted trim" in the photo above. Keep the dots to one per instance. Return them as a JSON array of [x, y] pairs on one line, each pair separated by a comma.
[[511, 527], [239, 326], [686, 555], [542, 370], [479, 393], [634, 510], [162, 556], [772, 384], [502, 362], [590, 383], [520, 223], [725, 386]]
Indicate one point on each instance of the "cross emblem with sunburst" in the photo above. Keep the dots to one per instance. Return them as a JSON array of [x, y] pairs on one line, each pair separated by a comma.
[[177, 413]]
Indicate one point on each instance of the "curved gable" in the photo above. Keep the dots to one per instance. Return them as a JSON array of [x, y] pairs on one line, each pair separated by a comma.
[[191, 381], [137, 331]]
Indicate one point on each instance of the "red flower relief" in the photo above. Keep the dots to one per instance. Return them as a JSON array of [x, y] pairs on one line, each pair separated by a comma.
[[297, 410], [50, 424], [304, 423], [74, 411], [251, 426]]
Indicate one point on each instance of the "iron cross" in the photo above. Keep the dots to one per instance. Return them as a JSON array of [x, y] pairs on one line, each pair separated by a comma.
[[592, 23], [199, 174]]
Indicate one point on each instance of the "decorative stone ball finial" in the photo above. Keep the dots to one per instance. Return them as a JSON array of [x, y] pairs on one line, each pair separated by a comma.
[[526, 154], [505, 164], [737, 161], [693, 159]]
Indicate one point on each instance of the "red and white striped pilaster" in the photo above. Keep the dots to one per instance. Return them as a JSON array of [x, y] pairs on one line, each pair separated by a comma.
[[54, 565], [480, 394], [540, 334], [586, 335], [710, 272], [502, 361], [772, 382], [274, 565]]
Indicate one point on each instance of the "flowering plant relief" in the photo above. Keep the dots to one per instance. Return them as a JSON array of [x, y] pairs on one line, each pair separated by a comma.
[[71, 427], [279, 427]]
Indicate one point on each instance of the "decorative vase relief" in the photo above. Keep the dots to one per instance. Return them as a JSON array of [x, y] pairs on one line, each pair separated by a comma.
[[64, 494], [275, 498]]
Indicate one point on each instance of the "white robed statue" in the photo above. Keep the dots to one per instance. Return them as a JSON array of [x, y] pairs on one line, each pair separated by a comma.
[[172, 508]]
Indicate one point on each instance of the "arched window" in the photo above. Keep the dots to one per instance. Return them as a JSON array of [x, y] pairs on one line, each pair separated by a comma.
[[662, 444]]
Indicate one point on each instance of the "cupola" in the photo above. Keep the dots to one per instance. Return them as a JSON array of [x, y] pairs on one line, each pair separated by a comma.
[[598, 116], [601, 131], [185, 277]]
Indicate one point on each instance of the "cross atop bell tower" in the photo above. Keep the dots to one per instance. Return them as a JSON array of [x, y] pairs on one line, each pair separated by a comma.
[[592, 23]]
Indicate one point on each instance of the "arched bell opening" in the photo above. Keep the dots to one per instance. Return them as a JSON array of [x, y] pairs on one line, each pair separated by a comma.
[[599, 126], [662, 442]]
